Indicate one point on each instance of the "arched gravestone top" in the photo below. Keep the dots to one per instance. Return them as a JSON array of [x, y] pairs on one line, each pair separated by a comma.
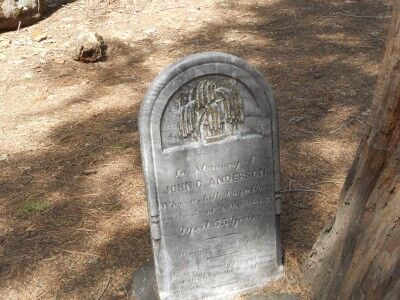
[[209, 142]]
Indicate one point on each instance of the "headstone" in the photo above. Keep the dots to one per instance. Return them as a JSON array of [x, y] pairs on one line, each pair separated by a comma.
[[209, 142]]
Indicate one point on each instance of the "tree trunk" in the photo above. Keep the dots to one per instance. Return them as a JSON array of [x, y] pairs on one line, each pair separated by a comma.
[[358, 256]]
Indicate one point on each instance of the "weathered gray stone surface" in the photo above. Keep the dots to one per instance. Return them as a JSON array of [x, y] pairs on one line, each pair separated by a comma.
[[209, 141]]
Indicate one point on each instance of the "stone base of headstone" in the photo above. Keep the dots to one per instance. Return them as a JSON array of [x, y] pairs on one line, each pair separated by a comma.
[[144, 284]]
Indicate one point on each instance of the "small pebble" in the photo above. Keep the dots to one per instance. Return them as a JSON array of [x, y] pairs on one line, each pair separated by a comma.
[[89, 172], [4, 157], [89, 47], [59, 60]]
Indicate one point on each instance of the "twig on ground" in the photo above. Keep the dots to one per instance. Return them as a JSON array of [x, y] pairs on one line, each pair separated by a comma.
[[299, 206], [282, 28], [303, 190], [291, 190], [85, 229], [316, 114], [169, 8], [50, 258], [361, 122], [143, 7], [329, 181], [378, 38], [339, 128], [358, 16], [104, 288], [81, 196], [78, 252], [348, 123], [270, 29], [297, 119]]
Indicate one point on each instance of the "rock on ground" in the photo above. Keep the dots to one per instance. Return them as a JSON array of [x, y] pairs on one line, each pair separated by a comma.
[[90, 47]]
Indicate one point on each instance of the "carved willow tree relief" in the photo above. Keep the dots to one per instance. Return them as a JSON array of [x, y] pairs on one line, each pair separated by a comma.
[[210, 111]]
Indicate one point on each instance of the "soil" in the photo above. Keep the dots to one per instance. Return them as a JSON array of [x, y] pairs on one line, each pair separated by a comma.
[[73, 215]]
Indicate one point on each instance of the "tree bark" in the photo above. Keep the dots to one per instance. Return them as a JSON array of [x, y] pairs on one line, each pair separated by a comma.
[[358, 256]]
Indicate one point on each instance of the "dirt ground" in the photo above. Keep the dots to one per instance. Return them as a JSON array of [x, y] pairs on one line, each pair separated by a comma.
[[73, 215]]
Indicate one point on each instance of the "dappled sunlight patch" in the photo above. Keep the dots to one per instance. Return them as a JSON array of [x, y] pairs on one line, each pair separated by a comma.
[[346, 117], [247, 38], [363, 64], [332, 151], [341, 38]]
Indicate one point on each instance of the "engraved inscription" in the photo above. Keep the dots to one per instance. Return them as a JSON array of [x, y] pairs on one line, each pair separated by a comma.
[[221, 223], [223, 207], [217, 180], [218, 212], [207, 110]]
